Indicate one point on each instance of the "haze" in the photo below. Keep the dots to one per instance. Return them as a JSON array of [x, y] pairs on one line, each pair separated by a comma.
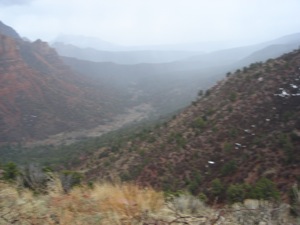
[[143, 22]]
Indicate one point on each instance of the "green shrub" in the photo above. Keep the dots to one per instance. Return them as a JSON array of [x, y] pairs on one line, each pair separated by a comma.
[[216, 187], [228, 147], [237, 192], [200, 123], [195, 183], [11, 171], [200, 93], [233, 132], [233, 96], [203, 197], [295, 200], [70, 179], [265, 189], [207, 93], [287, 145], [178, 138], [229, 168], [193, 187]]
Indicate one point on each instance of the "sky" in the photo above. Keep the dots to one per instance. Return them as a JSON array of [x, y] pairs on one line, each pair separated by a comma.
[[153, 22]]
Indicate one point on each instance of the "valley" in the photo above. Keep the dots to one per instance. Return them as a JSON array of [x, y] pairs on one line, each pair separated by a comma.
[[132, 116], [149, 112], [221, 126]]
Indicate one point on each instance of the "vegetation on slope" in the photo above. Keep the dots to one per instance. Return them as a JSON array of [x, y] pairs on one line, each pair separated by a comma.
[[243, 129]]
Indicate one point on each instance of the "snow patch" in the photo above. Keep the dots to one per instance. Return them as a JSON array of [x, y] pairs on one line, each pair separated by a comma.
[[283, 93], [294, 86], [237, 146]]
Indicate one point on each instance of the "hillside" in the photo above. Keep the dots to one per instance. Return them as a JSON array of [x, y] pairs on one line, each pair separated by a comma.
[[40, 95], [244, 128]]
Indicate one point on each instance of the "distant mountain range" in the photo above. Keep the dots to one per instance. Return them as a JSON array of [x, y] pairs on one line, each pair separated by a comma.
[[244, 54], [121, 57], [255, 53], [88, 42], [101, 45]]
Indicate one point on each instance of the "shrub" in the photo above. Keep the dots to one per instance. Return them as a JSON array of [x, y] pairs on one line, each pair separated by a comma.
[[229, 168], [237, 192], [285, 142], [233, 132], [203, 197], [265, 189], [178, 138], [216, 187], [11, 171], [70, 179], [207, 93], [233, 96], [200, 93], [295, 200], [193, 187], [200, 123], [35, 178], [228, 147]]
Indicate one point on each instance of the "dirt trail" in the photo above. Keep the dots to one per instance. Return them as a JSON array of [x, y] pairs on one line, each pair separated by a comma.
[[135, 114]]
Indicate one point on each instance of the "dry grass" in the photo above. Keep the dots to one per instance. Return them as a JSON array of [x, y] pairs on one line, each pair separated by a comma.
[[21, 207], [105, 204]]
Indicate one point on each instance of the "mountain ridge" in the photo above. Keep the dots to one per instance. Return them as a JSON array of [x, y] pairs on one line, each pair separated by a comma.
[[8, 31], [121, 57]]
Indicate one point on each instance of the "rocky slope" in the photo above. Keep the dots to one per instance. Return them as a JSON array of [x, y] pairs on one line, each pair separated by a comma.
[[40, 95], [244, 128]]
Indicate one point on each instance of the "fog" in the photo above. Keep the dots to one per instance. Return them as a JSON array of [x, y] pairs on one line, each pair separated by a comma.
[[156, 22]]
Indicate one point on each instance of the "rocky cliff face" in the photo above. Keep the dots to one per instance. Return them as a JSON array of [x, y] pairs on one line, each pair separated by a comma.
[[8, 48], [40, 95]]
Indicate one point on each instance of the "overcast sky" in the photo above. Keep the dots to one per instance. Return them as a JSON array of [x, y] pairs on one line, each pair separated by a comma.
[[140, 22]]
